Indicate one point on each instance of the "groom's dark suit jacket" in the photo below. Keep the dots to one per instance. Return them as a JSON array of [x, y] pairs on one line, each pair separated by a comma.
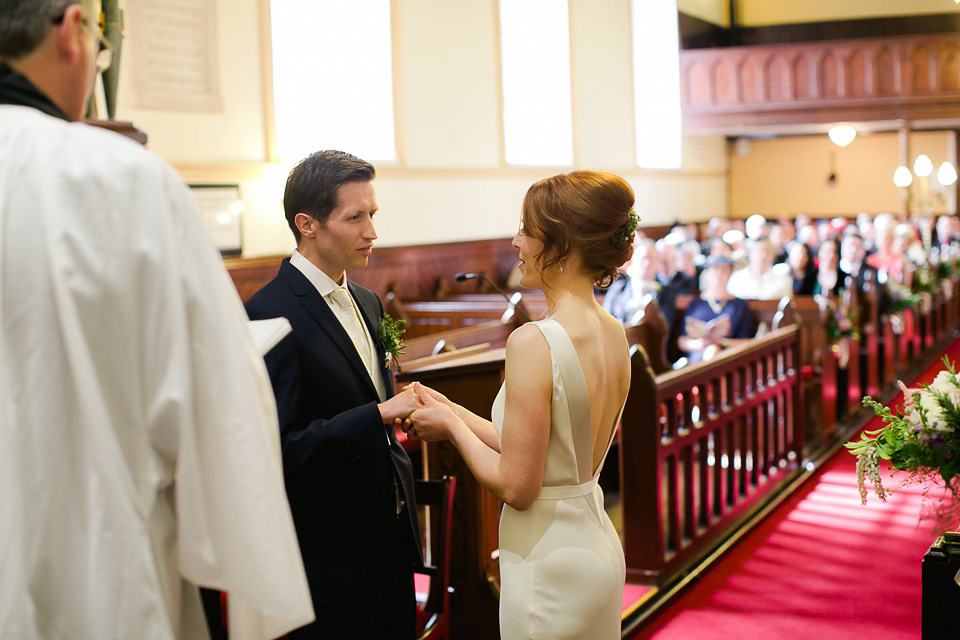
[[338, 463]]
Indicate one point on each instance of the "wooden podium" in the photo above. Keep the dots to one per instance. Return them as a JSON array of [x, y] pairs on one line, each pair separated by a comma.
[[472, 381]]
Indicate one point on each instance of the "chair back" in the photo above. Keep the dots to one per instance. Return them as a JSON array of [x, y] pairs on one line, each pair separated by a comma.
[[433, 619]]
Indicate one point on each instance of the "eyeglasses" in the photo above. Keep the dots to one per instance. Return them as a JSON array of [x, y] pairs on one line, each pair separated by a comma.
[[105, 52]]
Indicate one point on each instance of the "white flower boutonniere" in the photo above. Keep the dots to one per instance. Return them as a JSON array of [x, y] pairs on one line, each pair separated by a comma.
[[391, 335]]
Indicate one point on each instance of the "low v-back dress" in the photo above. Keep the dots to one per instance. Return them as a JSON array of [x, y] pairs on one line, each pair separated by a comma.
[[561, 562]]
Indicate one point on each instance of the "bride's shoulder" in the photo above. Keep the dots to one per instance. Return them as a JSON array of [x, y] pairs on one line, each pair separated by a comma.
[[526, 336]]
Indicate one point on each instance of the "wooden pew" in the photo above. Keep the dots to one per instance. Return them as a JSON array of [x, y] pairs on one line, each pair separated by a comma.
[[701, 446]]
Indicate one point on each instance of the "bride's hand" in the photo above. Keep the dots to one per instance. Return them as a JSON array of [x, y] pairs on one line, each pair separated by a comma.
[[433, 421], [439, 397]]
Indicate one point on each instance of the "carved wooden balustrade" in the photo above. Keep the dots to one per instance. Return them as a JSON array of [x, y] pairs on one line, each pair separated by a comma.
[[895, 78], [700, 446]]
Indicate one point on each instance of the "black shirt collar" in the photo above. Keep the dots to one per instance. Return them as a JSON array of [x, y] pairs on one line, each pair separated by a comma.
[[16, 89]]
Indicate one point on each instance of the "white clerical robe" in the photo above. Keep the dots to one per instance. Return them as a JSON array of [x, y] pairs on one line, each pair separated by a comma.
[[139, 443]]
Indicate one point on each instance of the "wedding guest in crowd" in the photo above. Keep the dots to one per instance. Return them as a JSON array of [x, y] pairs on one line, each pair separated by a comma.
[[759, 279], [715, 318], [802, 269], [853, 262], [947, 230], [831, 279], [716, 227], [808, 235], [883, 258], [679, 283], [625, 296]]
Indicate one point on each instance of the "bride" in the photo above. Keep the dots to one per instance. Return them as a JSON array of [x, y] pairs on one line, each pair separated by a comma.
[[566, 381]]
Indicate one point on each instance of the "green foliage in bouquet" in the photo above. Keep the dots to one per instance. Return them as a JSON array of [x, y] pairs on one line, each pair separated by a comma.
[[842, 322], [922, 440], [925, 280], [901, 298]]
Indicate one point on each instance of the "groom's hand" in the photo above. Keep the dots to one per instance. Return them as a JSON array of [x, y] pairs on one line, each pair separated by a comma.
[[399, 406]]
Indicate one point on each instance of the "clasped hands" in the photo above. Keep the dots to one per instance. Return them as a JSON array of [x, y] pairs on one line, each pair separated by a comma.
[[430, 416]]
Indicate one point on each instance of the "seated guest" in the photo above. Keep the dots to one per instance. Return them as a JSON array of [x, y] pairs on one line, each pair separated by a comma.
[[884, 258], [853, 261], [947, 231], [830, 277], [716, 227], [687, 256], [624, 297], [777, 237], [716, 318], [802, 268], [759, 280], [680, 280]]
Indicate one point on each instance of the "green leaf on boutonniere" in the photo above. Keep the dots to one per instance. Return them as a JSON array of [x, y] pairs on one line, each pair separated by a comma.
[[391, 335]]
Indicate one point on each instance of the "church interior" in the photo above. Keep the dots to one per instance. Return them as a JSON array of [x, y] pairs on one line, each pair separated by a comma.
[[734, 497]]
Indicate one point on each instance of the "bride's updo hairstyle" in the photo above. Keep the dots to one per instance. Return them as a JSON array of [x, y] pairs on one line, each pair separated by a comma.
[[590, 212]]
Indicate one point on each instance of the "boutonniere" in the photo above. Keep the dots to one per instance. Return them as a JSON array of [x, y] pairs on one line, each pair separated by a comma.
[[391, 335]]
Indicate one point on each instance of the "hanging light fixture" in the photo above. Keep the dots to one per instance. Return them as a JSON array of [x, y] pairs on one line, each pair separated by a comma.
[[946, 174], [843, 134], [902, 177]]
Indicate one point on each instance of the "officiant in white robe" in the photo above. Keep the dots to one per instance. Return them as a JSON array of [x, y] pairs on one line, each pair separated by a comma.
[[138, 432]]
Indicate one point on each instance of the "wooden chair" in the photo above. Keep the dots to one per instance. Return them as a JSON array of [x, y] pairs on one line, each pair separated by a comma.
[[433, 615]]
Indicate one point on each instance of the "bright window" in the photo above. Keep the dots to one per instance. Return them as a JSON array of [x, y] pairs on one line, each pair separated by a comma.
[[535, 56], [332, 78], [656, 39]]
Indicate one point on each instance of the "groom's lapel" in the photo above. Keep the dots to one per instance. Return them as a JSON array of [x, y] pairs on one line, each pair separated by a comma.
[[316, 306]]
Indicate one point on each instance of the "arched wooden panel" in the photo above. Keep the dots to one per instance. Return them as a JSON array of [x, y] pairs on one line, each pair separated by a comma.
[[699, 84], [923, 82], [724, 83], [830, 83], [779, 82], [887, 66], [859, 73], [803, 78], [949, 67], [750, 80]]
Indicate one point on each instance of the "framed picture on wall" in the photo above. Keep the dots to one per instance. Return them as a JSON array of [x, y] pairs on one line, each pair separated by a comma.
[[222, 211]]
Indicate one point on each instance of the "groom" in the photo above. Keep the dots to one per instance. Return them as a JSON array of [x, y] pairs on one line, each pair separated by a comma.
[[349, 482]]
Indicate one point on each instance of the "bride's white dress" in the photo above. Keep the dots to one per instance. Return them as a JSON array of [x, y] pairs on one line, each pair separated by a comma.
[[561, 562]]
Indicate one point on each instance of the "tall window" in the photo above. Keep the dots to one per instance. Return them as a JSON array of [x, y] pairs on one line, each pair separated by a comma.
[[332, 75], [535, 56], [656, 83]]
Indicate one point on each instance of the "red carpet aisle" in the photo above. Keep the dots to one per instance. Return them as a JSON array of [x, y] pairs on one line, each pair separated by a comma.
[[821, 566]]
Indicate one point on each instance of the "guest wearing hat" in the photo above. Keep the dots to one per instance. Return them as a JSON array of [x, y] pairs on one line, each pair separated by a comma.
[[716, 318]]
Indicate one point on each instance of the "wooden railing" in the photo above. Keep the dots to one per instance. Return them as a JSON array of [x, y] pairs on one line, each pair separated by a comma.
[[700, 446]]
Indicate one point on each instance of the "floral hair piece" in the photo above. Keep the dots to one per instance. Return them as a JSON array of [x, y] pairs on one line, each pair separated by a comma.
[[627, 229]]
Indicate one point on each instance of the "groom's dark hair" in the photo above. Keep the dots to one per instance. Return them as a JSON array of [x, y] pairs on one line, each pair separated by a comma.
[[312, 184]]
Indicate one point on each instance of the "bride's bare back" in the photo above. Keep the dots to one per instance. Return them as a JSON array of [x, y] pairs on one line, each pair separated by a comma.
[[601, 346]]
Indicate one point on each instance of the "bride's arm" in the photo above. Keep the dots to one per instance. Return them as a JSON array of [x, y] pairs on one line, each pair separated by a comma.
[[515, 474]]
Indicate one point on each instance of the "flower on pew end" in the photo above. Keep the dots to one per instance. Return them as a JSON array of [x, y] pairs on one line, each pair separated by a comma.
[[922, 440], [391, 335]]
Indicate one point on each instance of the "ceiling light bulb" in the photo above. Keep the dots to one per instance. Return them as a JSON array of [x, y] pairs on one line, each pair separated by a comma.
[[946, 174], [922, 167], [842, 134], [902, 177]]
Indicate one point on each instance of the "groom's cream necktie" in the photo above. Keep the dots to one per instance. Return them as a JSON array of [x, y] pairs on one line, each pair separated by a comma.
[[349, 316]]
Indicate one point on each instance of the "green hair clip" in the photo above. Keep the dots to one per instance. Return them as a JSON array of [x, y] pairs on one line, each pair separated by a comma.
[[627, 229]]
